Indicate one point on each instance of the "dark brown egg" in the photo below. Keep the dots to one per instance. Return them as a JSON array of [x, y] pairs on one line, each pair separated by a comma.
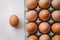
[[33, 37], [56, 28], [31, 15], [44, 27], [14, 21], [56, 15], [56, 37], [44, 15], [44, 3], [56, 4], [31, 4], [44, 37], [31, 28]]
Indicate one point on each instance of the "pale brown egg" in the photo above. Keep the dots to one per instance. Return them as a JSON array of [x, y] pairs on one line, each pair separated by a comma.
[[44, 27], [14, 20], [56, 4], [26, 0], [32, 37], [56, 28], [31, 15], [56, 15], [44, 15], [31, 4], [56, 37], [31, 28], [44, 37], [44, 3]]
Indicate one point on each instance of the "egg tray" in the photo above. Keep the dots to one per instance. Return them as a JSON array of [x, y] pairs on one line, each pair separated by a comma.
[[38, 21]]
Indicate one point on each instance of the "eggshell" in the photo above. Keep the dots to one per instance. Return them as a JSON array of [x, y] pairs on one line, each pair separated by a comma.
[[31, 28], [44, 27], [56, 28], [44, 15], [56, 37], [33, 37], [31, 4], [56, 4], [44, 37], [31, 15], [44, 3], [56, 15], [14, 20]]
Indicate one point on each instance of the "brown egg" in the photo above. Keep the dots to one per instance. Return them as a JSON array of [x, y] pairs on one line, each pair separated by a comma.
[[56, 15], [31, 15], [14, 21], [44, 27], [31, 4], [26, 0], [44, 37], [56, 28], [44, 3], [56, 37], [31, 28], [56, 4], [44, 15], [33, 37]]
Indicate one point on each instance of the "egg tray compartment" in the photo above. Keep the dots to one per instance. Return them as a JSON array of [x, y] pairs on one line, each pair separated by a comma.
[[50, 21]]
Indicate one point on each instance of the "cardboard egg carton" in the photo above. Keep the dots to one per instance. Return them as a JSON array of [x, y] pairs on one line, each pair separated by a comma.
[[50, 21]]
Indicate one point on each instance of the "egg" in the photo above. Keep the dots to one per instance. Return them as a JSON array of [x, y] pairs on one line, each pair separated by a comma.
[[26, 0], [44, 27], [44, 3], [44, 37], [32, 37], [56, 4], [31, 4], [56, 15], [56, 28], [14, 20], [44, 15], [31, 15], [31, 28], [56, 37]]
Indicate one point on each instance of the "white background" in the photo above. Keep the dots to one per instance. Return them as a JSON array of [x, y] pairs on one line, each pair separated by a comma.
[[8, 8]]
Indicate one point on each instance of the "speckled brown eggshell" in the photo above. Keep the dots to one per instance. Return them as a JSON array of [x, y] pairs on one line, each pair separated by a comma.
[[31, 28], [44, 15], [56, 28], [32, 37], [14, 21], [31, 4], [44, 27], [31, 15], [56, 4], [56, 37], [56, 15], [44, 37], [44, 3]]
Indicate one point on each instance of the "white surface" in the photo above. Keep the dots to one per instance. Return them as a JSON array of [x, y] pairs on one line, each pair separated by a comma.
[[8, 8]]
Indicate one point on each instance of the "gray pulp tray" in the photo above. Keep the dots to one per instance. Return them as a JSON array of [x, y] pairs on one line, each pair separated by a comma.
[[50, 21]]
